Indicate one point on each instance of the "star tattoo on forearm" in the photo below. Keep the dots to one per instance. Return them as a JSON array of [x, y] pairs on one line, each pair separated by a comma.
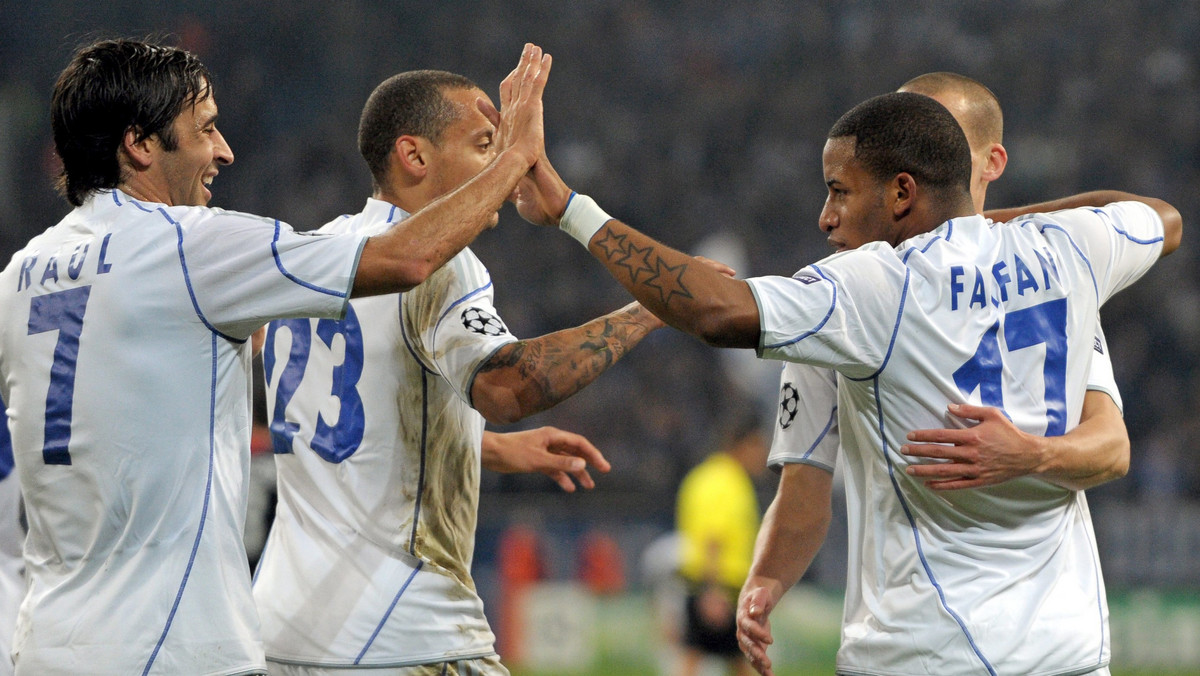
[[644, 266]]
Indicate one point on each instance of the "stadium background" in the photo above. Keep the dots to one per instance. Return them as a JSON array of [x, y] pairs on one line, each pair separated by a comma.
[[702, 123]]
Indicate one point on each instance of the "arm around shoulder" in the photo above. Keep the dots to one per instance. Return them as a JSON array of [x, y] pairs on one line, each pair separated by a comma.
[[1171, 219]]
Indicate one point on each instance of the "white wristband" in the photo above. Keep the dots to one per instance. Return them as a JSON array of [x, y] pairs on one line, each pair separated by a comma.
[[583, 218]]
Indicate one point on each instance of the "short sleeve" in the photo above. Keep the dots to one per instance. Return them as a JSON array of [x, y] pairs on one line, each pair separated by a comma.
[[244, 271], [1120, 241], [806, 429], [841, 313], [450, 323], [1100, 377]]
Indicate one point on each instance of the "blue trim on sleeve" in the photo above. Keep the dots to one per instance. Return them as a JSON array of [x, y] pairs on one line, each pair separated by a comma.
[[1108, 218], [469, 295], [212, 406], [386, 615], [917, 535], [824, 320], [297, 280], [895, 329], [824, 432]]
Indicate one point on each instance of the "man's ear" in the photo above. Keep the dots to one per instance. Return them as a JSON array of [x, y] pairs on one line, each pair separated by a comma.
[[412, 156], [997, 160], [138, 152], [902, 192]]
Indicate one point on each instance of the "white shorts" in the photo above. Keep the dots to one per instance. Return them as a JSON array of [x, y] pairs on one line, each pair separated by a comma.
[[480, 666]]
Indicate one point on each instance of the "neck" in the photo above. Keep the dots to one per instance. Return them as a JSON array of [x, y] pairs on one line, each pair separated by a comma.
[[405, 199]]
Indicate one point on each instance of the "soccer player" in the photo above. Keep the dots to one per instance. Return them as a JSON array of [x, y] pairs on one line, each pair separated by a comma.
[[805, 444], [125, 363], [927, 301], [12, 537], [377, 418], [1093, 453]]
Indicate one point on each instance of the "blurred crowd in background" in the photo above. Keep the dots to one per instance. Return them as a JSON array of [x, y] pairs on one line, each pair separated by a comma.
[[701, 123]]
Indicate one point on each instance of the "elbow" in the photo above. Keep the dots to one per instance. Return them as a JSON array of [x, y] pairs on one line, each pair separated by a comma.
[[724, 330], [498, 415], [1172, 227], [1120, 466], [497, 404], [409, 274]]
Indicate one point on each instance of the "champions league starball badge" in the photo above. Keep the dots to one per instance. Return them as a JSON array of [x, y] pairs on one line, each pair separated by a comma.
[[482, 322], [789, 400]]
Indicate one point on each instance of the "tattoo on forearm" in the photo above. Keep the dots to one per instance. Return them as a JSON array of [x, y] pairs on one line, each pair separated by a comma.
[[557, 365], [645, 266]]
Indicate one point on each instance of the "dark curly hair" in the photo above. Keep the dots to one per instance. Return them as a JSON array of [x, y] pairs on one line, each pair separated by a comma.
[[909, 133]]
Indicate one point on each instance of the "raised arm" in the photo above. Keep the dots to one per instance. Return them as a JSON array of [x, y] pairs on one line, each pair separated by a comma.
[[1172, 221], [528, 376], [792, 533], [409, 252]]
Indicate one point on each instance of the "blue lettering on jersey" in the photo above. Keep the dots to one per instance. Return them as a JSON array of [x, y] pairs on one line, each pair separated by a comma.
[[103, 266], [956, 287], [1002, 279], [1048, 266], [51, 272], [75, 265], [977, 294], [1025, 280], [24, 281]]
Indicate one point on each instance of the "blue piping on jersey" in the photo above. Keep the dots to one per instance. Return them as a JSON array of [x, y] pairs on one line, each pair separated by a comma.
[[1104, 215], [821, 436], [917, 535], [187, 279], [1088, 262], [1099, 595], [297, 280], [412, 539], [404, 335], [383, 621], [212, 407], [932, 240], [895, 330], [824, 320], [467, 297]]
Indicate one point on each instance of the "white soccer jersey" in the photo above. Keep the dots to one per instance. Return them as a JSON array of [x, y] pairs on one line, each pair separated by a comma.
[[126, 370], [806, 428], [12, 539], [378, 456], [999, 580]]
